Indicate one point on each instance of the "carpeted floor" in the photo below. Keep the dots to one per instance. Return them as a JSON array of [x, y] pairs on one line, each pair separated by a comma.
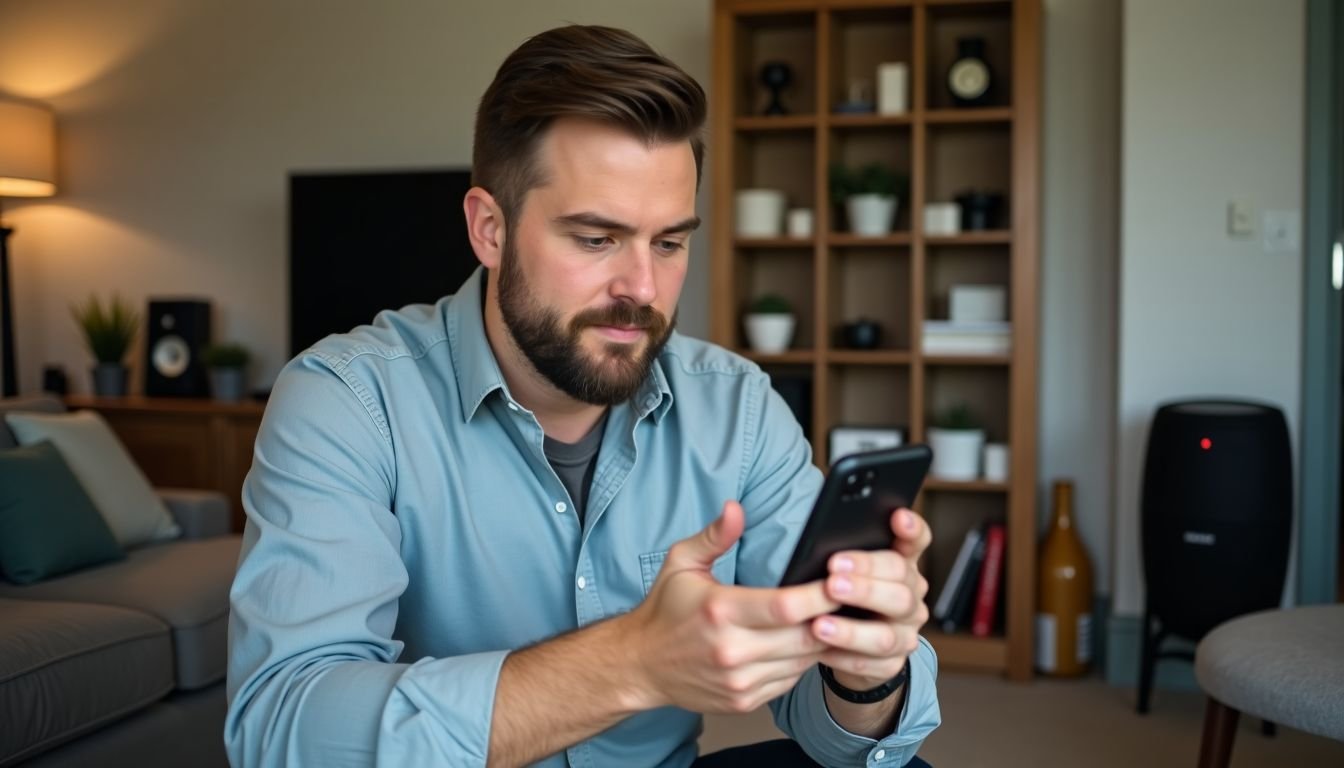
[[990, 722]]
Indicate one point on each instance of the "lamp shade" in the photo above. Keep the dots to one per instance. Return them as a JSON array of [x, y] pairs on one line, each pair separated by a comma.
[[27, 150]]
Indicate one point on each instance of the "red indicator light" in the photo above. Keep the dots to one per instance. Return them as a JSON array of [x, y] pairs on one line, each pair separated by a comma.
[[1205, 443]]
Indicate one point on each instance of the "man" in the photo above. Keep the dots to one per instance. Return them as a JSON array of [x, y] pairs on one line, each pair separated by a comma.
[[531, 523]]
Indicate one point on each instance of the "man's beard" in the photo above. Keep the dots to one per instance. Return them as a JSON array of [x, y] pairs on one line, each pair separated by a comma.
[[558, 354]]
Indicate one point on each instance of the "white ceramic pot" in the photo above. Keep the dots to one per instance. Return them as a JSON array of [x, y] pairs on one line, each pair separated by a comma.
[[760, 213], [871, 215], [769, 334], [956, 453]]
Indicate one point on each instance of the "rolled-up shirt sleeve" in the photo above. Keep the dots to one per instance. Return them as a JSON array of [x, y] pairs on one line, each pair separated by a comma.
[[314, 677], [780, 484]]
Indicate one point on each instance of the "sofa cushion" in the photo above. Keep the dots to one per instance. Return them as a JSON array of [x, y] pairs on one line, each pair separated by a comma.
[[48, 524], [118, 488], [67, 668], [185, 584], [38, 404]]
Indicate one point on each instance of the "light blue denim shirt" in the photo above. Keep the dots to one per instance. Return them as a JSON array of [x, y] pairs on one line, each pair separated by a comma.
[[405, 532]]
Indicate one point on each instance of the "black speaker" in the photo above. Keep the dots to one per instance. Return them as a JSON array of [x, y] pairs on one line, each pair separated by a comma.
[[178, 331], [1216, 518]]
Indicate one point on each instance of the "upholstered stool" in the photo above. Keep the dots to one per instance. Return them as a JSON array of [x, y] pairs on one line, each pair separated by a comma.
[[1284, 666]]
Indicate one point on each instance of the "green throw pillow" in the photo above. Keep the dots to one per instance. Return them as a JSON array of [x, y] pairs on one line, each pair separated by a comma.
[[48, 524]]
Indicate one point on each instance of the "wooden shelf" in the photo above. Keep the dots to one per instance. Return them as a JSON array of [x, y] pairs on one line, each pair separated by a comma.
[[966, 651], [968, 360], [850, 120], [792, 357], [899, 279], [763, 123], [868, 357], [986, 237], [773, 242], [968, 115], [965, 486], [846, 240]]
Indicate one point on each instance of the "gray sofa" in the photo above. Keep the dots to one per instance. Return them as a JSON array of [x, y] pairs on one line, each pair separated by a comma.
[[123, 663]]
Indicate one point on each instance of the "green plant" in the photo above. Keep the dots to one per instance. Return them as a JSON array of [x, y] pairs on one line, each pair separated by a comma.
[[108, 330], [957, 417], [225, 356], [871, 179], [771, 304]]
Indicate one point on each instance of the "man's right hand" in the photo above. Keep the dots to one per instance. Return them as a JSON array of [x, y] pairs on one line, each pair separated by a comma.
[[710, 647]]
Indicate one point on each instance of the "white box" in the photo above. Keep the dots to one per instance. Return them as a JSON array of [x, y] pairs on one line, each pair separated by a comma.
[[942, 219], [978, 304], [893, 88]]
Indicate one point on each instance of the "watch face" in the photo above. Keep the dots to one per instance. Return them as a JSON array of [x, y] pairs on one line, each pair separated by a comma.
[[968, 78]]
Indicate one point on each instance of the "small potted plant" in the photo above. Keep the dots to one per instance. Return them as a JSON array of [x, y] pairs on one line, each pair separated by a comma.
[[108, 332], [869, 197], [956, 439], [228, 370], [769, 324]]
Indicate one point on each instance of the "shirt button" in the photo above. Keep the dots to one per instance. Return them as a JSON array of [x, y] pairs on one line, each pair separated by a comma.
[[561, 507], [879, 754], [582, 583], [513, 407]]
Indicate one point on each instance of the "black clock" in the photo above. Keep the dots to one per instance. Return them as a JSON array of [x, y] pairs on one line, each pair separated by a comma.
[[969, 78]]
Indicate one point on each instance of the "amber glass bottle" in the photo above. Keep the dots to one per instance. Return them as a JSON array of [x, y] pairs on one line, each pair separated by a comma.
[[1064, 597]]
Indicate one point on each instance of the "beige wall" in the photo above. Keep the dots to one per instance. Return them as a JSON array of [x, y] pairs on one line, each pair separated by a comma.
[[179, 120], [1213, 111]]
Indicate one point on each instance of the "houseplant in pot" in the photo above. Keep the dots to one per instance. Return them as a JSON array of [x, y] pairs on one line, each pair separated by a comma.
[[956, 439], [769, 324], [869, 196], [108, 332], [228, 370]]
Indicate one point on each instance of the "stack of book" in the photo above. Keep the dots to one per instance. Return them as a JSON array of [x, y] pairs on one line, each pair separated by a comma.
[[972, 593], [945, 337]]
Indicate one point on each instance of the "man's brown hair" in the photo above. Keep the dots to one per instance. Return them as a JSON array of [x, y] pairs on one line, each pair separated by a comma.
[[598, 73]]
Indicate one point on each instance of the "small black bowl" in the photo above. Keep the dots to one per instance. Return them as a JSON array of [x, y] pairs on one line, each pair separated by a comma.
[[861, 334]]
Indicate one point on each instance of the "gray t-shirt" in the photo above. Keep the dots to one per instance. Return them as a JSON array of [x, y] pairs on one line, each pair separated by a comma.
[[574, 463]]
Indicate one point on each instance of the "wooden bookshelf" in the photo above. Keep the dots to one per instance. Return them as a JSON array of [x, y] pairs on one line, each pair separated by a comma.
[[901, 279]]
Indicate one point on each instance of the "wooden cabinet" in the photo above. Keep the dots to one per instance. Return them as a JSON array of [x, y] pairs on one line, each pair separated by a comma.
[[185, 442], [901, 280]]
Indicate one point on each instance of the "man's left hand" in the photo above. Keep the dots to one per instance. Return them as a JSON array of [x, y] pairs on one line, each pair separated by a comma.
[[866, 653]]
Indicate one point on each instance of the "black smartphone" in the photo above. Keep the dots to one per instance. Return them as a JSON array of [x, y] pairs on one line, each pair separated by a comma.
[[853, 510]]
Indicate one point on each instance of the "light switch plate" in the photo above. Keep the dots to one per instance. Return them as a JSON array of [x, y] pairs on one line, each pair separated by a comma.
[[1282, 231], [1240, 218]]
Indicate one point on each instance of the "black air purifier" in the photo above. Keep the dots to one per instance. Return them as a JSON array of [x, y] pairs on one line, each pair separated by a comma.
[[1216, 519]]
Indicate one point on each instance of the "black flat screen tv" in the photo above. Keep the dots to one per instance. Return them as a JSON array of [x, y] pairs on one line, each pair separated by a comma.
[[362, 242]]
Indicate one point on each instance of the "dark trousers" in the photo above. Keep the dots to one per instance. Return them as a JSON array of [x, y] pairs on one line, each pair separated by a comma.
[[782, 753]]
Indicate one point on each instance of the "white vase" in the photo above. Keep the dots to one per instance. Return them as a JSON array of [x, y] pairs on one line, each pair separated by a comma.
[[769, 334], [956, 453], [871, 215]]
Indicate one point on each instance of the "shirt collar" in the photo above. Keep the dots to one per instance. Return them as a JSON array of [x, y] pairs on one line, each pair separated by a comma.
[[477, 371]]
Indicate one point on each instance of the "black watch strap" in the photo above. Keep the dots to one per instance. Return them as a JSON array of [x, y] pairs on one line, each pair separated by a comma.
[[872, 694]]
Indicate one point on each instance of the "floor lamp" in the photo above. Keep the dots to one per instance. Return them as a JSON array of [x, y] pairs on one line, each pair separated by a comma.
[[27, 169]]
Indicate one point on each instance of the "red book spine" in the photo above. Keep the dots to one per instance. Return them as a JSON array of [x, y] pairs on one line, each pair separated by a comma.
[[988, 597]]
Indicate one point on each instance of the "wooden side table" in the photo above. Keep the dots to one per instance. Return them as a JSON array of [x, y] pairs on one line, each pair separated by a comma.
[[185, 442]]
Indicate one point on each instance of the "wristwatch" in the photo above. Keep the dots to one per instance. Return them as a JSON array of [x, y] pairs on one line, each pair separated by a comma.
[[872, 694]]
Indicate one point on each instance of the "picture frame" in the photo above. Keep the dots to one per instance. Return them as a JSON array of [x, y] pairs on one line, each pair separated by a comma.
[[843, 440]]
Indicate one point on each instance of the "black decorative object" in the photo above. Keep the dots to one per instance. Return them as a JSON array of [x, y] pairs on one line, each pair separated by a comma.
[[969, 78], [54, 380], [979, 210], [861, 334], [776, 75]]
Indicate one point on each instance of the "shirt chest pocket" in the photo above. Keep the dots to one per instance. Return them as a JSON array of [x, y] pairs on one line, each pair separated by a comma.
[[724, 568]]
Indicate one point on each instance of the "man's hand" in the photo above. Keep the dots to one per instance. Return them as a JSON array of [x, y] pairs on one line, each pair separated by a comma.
[[868, 653], [711, 647]]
